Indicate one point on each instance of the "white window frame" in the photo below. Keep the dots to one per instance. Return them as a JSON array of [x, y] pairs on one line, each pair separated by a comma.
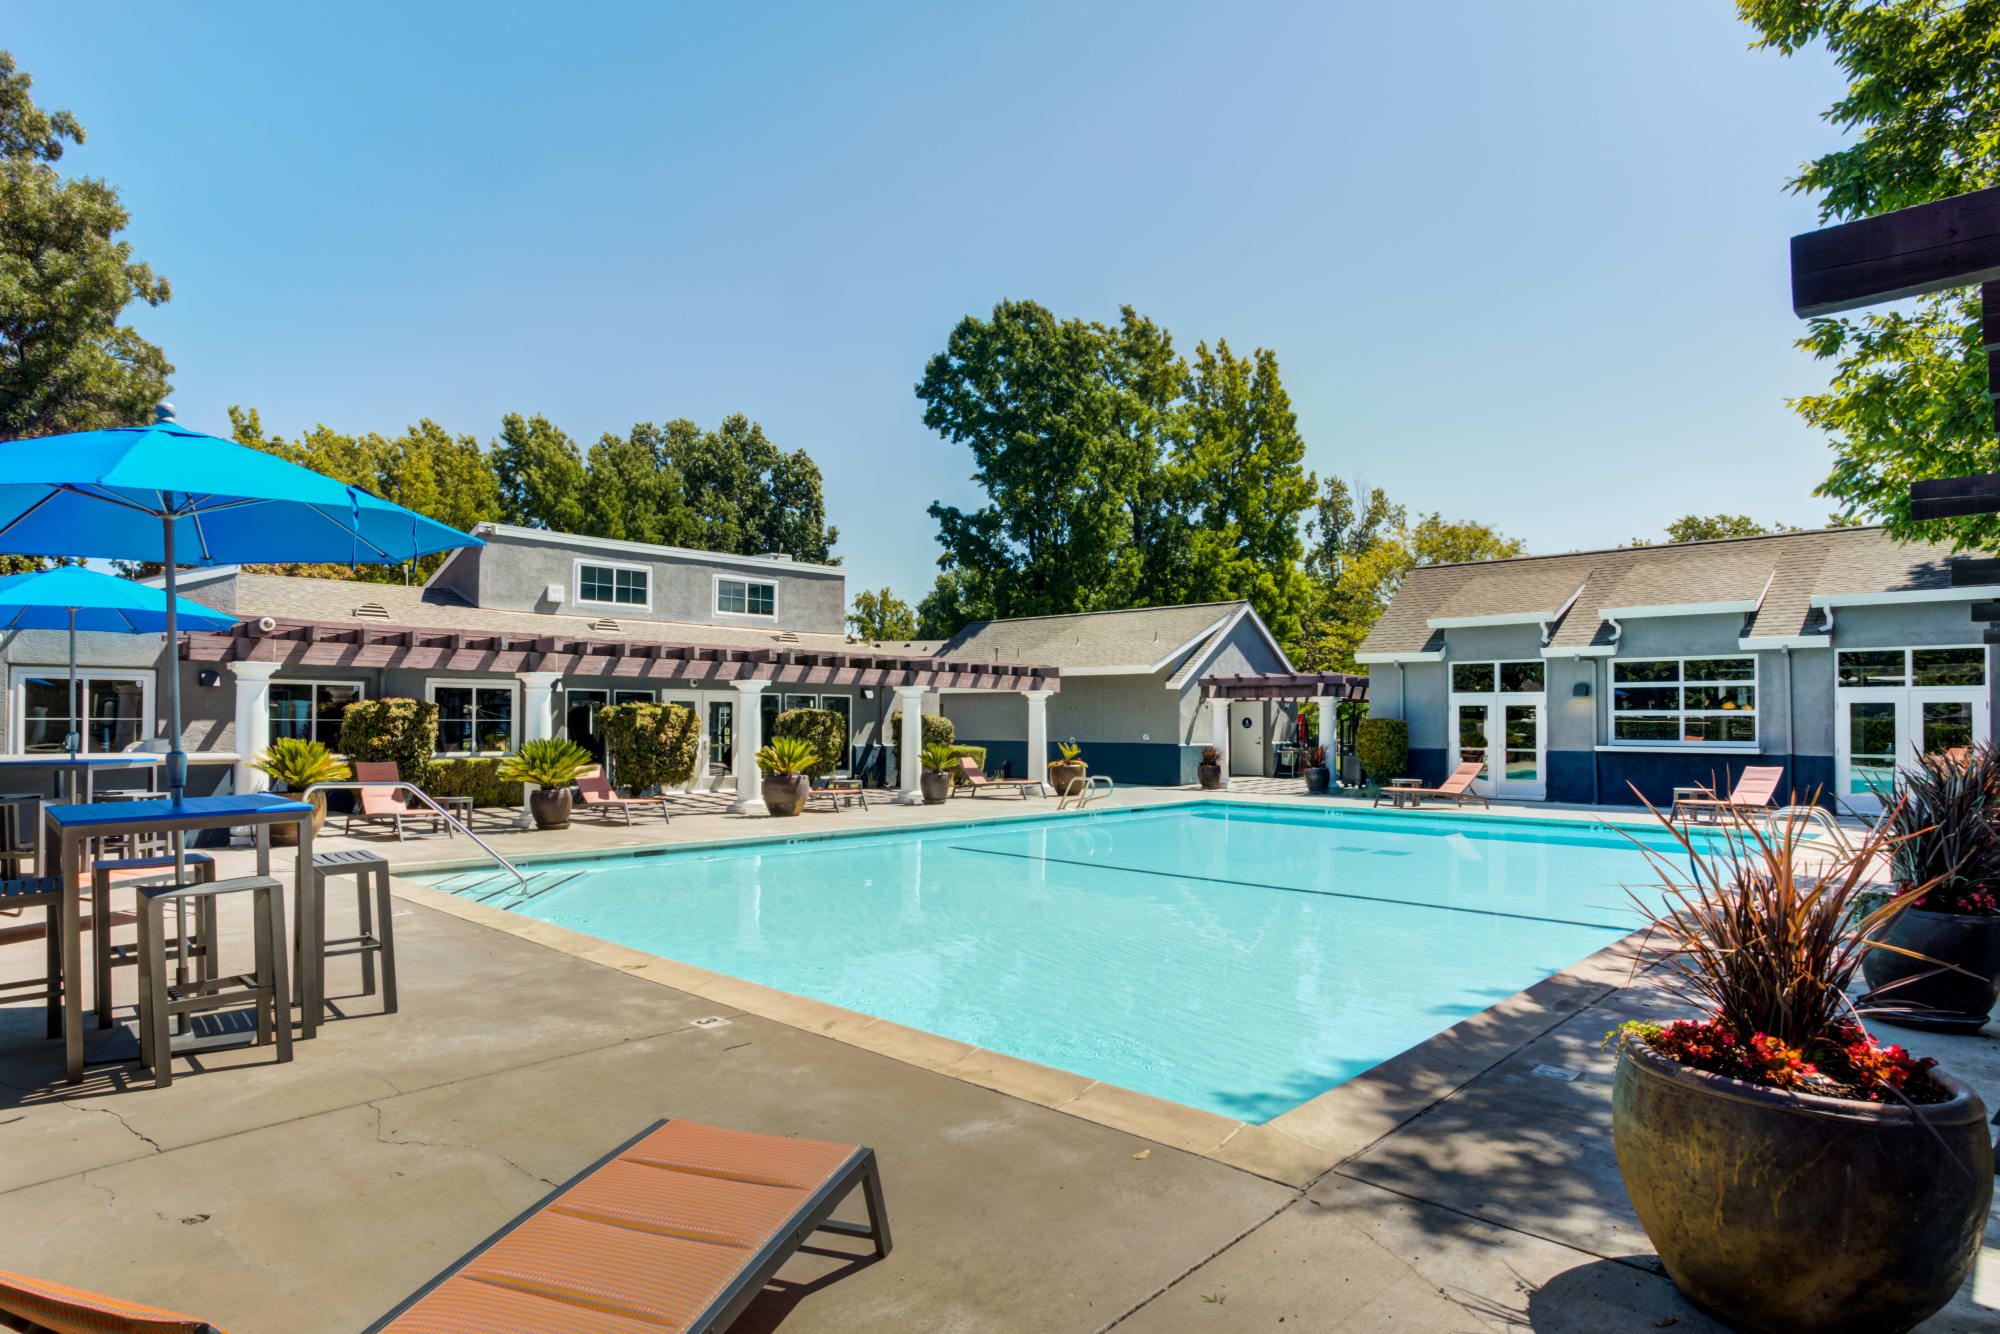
[[1682, 713], [715, 601], [18, 711], [360, 693], [1909, 653], [431, 685], [576, 583]]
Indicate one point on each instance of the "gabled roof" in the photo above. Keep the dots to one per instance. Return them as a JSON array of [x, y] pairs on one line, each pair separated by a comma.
[[1773, 583], [1138, 641]]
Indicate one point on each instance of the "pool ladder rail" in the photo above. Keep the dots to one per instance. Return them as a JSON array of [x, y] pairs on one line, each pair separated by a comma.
[[520, 880], [1082, 790]]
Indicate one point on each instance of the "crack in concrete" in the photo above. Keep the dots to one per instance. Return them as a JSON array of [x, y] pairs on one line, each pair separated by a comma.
[[120, 1119], [382, 1137]]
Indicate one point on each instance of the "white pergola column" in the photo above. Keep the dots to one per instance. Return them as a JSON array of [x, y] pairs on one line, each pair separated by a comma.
[[1326, 733], [910, 746], [1218, 722], [1038, 735], [749, 740], [538, 713], [253, 722]]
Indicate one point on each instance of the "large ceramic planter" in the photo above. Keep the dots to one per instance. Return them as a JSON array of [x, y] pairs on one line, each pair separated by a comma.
[[550, 806], [1062, 775], [1785, 1213], [936, 788], [785, 794], [1316, 780], [287, 835], [1946, 1001], [1210, 775]]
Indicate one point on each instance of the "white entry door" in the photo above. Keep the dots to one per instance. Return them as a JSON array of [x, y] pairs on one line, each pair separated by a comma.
[[1877, 730], [1505, 735], [1473, 728], [1246, 739]]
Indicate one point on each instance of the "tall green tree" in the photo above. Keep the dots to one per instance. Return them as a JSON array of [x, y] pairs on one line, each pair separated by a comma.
[[1922, 111], [949, 607], [541, 474], [66, 363], [880, 614]]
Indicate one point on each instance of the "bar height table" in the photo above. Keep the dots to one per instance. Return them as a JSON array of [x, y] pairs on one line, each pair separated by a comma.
[[76, 767], [67, 833]]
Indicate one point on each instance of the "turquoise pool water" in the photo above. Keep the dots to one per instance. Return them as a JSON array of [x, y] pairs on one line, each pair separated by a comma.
[[1233, 957]]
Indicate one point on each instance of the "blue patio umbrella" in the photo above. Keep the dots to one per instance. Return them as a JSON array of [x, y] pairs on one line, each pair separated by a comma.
[[169, 494], [73, 598]]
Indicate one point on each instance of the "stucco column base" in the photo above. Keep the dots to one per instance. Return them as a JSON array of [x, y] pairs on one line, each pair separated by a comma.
[[749, 740], [910, 746], [1218, 718], [1038, 736]]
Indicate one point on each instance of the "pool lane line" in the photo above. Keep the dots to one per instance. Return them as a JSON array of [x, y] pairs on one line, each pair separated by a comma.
[[1294, 889]]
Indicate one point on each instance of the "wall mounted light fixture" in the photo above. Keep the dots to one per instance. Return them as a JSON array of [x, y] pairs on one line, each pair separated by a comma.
[[1581, 690]]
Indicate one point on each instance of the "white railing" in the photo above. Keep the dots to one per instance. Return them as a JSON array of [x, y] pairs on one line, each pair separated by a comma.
[[1083, 789], [438, 810]]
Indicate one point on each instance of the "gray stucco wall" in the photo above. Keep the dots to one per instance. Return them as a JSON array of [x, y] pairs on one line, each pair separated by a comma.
[[514, 574]]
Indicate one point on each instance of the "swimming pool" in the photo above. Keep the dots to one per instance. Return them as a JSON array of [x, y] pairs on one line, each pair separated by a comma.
[[1233, 957]]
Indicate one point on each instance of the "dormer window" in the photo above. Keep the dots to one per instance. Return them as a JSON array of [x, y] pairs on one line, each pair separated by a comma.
[[745, 597], [608, 584]]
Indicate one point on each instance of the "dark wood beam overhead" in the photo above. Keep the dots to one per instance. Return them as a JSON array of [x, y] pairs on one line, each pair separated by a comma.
[[1927, 248], [1975, 572], [1287, 686], [1955, 497], [1986, 611]]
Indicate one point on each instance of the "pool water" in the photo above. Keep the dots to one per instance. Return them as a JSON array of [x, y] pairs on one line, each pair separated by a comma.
[[1232, 957]]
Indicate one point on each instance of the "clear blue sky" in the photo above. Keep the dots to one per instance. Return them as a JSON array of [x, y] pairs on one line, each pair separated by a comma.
[[1524, 263]]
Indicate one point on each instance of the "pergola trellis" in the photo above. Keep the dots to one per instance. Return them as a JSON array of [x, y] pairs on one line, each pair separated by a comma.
[[1328, 689]]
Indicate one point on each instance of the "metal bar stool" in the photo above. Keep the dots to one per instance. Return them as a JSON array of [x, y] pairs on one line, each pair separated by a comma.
[[135, 844], [44, 892], [268, 989], [377, 936], [107, 956]]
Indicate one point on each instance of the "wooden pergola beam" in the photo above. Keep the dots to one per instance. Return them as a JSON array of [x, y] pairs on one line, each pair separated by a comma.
[[1287, 686], [1926, 248]]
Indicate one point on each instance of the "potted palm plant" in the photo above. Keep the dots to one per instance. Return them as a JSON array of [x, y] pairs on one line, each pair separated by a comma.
[[1795, 1175], [1069, 768], [1209, 771], [1941, 967], [294, 764], [936, 778], [786, 764], [547, 767]]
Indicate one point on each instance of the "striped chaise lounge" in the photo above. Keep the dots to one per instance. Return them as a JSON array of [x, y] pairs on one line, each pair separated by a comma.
[[677, 1229]]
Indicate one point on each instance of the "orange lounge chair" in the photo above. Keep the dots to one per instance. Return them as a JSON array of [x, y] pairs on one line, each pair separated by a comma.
[[373, 805], [1754, 791], [598, 796], [678, 1229], [973, 779], [1456, 788]]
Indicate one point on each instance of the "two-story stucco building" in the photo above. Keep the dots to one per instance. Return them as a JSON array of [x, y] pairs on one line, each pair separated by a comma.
[[1601, 676]]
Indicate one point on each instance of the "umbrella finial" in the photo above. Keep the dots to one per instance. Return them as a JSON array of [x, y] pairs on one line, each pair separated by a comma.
[[164, 412]]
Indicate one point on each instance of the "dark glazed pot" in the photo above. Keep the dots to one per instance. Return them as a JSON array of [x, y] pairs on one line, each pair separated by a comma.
[[550, 806], [287, 835], [785, 794], [1944, 1001], [1209, 774], [1316, 780], [1784, 1213], [936, 788], [1062, 775]]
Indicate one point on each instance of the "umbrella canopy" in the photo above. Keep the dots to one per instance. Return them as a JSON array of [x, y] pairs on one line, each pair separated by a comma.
[[70, 597], [166, 493]]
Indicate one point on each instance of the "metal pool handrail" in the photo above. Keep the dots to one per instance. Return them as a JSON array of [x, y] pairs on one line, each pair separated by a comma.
[[1083, 789], [442, 814]]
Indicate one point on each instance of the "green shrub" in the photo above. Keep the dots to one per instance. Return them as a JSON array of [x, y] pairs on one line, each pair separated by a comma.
[[937, 729], [824, 729], [478, 779], [978, 754], [649, 744], [1383, 747], [402, 731]]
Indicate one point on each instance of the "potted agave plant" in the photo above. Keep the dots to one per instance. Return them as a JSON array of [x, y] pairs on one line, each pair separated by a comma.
[[1941, 965], [547, 767], [1795, 1175], [936, 777], [1317, 777], [786, 764], [1068, 769], [1209, 771], [294, 764]]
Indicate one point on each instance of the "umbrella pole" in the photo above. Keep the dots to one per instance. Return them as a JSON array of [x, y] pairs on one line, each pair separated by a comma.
[[75, 708], [176, 758]]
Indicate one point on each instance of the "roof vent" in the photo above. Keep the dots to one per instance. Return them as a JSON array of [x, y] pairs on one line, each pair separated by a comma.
[[604, 625], [372, 611], [775, 555], [786, 637]]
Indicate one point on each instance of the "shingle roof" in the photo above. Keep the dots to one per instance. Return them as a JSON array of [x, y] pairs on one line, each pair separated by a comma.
[[1786, 569], [1139, 638]]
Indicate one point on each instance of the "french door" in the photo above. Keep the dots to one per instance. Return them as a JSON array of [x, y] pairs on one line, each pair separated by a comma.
[[1505, 735], [1877, 730]]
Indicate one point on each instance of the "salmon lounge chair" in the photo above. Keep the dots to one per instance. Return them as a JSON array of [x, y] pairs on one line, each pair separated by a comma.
[[373, 805], [598, 796], [1456, 788], [678, 1229], [974, 780], [1754, 791]]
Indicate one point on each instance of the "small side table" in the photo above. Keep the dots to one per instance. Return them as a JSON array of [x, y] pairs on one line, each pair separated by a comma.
[[1398, 787], [460, 808]]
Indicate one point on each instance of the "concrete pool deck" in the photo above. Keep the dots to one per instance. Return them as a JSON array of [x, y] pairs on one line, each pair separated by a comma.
[[1468, 1191]]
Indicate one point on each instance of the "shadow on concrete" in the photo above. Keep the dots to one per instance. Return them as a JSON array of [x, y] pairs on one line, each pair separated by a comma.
[[1625, 1293], [783, 1293]]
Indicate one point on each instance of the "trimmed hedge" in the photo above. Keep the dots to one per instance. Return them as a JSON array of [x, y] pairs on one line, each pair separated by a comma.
[[978, 754], [937, 730], [1383, 747], [478, 779], [649, 744], [403, 731], [823, 728]]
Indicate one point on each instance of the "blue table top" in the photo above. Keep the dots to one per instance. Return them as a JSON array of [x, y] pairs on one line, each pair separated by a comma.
[[167, 812], [59, 759]]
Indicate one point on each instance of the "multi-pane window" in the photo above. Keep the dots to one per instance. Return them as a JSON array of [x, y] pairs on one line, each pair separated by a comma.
[[311, 710], [840, 704], [746, 597], [1685, 700], [113, 706], [1873, 668], [1523, 677], [612, 585], [474, 719], [580, 714]]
